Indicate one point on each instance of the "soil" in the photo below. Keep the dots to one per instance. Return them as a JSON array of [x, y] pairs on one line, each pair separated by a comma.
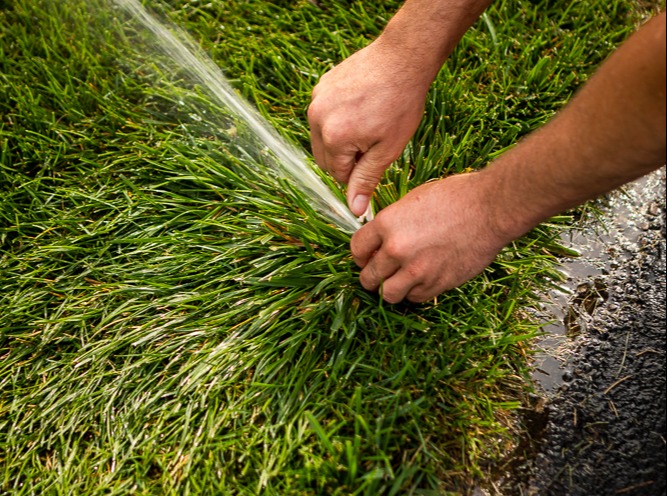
[[597, 426]]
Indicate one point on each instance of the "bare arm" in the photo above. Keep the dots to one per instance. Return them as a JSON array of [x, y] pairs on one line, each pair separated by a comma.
[[365, 110], [613, 131], [445, 232]]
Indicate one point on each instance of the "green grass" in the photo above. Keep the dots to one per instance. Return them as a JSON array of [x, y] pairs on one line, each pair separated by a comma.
[[174, 320]]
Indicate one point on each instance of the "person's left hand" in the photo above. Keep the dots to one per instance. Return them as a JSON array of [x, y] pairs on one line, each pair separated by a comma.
[[437, 237]]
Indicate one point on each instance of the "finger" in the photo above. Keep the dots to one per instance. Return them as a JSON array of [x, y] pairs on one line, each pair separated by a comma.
[[398, 286], [378, 269], [340, 164], [317, 146], [364, 177], [364, 243], [421, 293]]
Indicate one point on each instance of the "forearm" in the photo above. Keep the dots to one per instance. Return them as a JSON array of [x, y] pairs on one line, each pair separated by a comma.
[[426, 31], [443, 233], [613, 131]]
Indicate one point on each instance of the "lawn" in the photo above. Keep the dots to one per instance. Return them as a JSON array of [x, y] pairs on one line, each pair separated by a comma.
[[177, 317]]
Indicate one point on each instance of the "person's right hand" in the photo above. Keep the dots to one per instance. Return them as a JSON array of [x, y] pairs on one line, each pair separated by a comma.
[[363, 113]]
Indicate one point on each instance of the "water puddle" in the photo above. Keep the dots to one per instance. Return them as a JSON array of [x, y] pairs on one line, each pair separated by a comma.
[[604, 247]]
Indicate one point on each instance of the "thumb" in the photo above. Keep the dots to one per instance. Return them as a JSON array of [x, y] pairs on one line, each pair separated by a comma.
[[364, 177]]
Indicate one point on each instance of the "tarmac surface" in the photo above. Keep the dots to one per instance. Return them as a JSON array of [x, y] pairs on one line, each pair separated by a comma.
[[597, 426]]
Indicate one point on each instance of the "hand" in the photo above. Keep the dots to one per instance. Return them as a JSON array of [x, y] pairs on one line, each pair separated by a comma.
[[363, 113], [437, 237]]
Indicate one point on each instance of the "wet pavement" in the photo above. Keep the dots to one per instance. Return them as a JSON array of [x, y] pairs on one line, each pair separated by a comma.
[[597, 425]]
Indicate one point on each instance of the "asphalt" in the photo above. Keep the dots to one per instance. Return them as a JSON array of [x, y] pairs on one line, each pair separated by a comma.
[[597, 422]]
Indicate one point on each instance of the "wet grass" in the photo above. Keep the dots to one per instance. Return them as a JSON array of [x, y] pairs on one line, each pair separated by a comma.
[[173, 320]]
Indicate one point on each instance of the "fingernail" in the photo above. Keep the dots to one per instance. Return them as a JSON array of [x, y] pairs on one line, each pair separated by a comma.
[[359, 204]]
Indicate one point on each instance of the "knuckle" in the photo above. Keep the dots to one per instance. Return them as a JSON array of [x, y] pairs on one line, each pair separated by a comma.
[[355, 249], [414, 271], [334, 135], [367, 185], [314, 113], [421, 270], [382, 220], [369, 174], [342, 164], [340, 176], [394, 249], [367, 280]]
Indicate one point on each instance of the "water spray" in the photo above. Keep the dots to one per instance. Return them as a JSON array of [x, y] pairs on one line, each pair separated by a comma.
[[283, 157]]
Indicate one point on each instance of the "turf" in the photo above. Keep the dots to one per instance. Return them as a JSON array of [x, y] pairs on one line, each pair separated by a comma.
[[174, 319]]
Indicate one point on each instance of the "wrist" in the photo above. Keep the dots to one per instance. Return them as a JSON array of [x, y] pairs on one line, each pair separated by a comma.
[[418, 60], [512, 211], [423, 33], [403, 65]]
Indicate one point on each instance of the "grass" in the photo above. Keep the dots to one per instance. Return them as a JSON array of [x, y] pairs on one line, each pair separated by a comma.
[[175, 320]]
